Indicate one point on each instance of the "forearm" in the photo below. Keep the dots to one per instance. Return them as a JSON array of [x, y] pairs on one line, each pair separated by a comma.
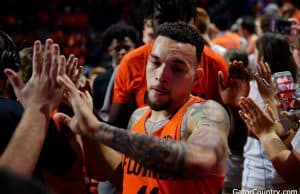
[[100, 160], [284, 161], [272, 144], [24, 148], [168, 157]]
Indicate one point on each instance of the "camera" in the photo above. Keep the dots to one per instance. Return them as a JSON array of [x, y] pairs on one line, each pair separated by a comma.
[[281, 26], [9, 54]]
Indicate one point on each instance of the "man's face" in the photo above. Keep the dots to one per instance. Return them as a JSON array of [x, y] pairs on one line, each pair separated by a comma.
[[118, 48], [170, 73]]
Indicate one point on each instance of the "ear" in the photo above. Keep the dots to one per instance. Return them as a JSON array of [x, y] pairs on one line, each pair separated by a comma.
[[199, 73]]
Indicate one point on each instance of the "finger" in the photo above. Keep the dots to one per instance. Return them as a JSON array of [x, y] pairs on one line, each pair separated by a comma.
[[71, 56], [37, 58], [261, 82], [55, 61], [62, 65], [70, 64], [258, 67], [74, 68], [245, 118], [268, 69], [67, 84], [88, 96], [15, 80], [62, 118], [47, 57], [270, 112], [78, 75], [254, 109]]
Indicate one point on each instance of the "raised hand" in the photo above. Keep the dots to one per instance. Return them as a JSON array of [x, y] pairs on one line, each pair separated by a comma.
[[42, 90], [73, 70], [83, 120], [237, 84], [264, 81], [257, 121]]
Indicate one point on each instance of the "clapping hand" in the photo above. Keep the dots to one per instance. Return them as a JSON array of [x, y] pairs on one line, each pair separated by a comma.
[[237, 84]]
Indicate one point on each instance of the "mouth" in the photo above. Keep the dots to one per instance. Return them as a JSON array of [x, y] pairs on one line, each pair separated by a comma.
[[159, 90]]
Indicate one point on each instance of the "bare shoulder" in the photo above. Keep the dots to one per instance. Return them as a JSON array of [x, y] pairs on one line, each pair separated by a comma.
[[136, 115], [205, 115]]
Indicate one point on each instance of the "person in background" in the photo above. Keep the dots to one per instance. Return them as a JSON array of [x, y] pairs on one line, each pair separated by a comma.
[[148, 32], [285, 156], [258, 170], [237, 136], [202, 23], [118, 40]]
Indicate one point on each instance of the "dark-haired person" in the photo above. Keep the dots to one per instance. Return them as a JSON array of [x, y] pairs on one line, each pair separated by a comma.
[[177, 144], [259, 173], [130, 84], [117, 40]]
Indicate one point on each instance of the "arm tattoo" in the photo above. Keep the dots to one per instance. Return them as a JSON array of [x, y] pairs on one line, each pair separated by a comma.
[[169, 157], [162, 155], [211, 120], [136, 115]]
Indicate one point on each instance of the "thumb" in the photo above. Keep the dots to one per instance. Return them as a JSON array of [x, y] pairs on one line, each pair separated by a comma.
[[62, 118], [15, 80]]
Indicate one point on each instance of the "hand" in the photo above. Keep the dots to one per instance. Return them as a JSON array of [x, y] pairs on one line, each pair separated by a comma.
[[84, 121], [237, 84], [259, 122], [264, 81], [294, 119], [74, 72], [41, 91]]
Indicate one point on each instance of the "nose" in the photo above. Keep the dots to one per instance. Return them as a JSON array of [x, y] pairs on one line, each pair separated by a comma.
[[162, 73]]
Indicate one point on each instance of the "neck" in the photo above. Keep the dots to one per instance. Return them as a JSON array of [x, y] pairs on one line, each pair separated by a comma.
[[167, 113]]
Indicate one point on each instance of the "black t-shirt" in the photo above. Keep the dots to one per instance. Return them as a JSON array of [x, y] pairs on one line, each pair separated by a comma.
[[56, 154]]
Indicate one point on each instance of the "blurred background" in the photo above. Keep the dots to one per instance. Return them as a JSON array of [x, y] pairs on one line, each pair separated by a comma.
[[77, 25]]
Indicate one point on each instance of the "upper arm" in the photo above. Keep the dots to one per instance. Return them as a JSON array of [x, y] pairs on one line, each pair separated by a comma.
[[136, 115], [207, 129], [208, 115]]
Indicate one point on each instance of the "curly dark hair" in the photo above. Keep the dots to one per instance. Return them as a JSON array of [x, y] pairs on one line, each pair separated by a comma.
[[182, 32], [119, 31]]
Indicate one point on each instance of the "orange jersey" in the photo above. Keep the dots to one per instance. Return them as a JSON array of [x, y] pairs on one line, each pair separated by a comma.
[[130, 80], [140, 180], [130, 83], [228, 40]]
